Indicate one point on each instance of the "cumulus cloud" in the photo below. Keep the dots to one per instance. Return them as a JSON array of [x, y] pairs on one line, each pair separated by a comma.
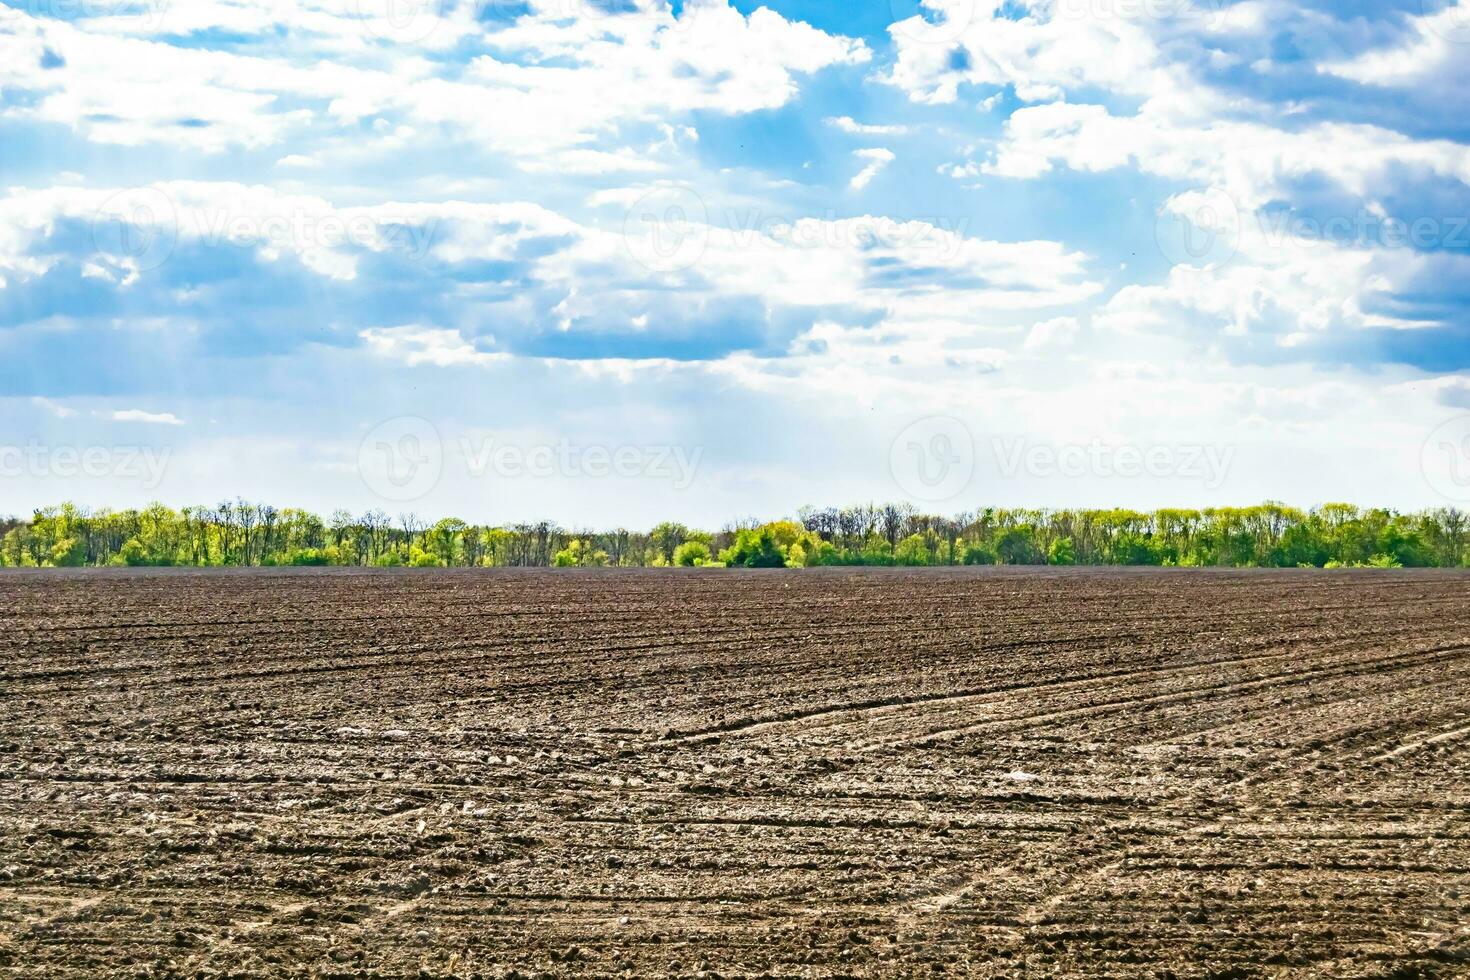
[[1057, 332], [1182, 95], [1430, 56], [558, 210], [414, 346], [1252, 162], [481, 280], [545, 83]]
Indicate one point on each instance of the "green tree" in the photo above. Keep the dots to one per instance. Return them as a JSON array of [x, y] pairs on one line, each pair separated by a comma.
[[243, 533], [978, 554], [132, 553], [1016, 547], [755, 549], [666, 538], [69, 553], [691, 553], [1138, 549], [912, 550], [580, 554]]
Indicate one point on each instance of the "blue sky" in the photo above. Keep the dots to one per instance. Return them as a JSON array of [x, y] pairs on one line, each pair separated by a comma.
[[402, 253]]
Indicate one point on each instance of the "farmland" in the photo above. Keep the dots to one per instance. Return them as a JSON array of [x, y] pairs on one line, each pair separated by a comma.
[[949, 771]]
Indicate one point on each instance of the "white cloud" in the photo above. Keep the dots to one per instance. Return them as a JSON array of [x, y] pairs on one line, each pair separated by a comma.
[[908, 269], [849, 125], [549, 82], [922, 279], [55, 408], [877, 158], [1055, 333], [1249, 161], [150, 418], [1430, 59], [419, 213], [592, 162], [1248, 151], [1287, 290], [416, 345], [1054, 47], [1060, 55], [325, 238]]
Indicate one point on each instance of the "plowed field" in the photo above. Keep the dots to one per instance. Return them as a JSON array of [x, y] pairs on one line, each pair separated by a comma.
[[991, 772]]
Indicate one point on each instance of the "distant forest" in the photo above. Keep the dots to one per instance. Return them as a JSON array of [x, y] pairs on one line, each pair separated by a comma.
[[240, 533]]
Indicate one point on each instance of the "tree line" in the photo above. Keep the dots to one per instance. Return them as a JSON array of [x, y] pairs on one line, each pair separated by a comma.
[[241, 533]]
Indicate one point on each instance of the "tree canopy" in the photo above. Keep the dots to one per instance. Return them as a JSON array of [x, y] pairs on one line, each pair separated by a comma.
[[248, 534]]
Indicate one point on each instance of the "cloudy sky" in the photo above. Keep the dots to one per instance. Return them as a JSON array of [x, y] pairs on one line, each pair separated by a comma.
[[612, 261]]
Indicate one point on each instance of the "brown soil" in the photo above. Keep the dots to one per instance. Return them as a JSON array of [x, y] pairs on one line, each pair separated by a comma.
[[953, 773]]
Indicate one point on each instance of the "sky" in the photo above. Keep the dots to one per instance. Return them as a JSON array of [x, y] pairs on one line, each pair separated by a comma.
[[610, 262]]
